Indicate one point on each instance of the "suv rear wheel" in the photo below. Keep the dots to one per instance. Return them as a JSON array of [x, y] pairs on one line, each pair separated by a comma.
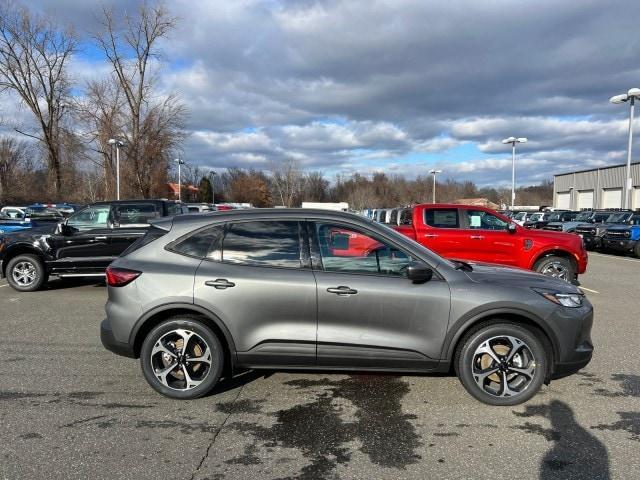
[[182, 358], [556, 267], [26, 273], [502, 363]]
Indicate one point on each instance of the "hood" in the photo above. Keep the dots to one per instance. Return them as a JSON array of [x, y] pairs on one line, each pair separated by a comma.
[[619, 227], [517, 277], [30, 233]]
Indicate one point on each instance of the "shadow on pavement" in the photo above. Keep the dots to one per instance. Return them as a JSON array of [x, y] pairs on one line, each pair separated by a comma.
[[575, 452], [65, 283]]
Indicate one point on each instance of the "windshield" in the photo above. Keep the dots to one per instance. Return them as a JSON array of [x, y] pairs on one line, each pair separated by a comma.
[[520, 216], [583, 217], [617, 217]]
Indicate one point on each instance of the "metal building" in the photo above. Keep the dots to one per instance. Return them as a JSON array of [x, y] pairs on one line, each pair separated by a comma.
[[596, 188]]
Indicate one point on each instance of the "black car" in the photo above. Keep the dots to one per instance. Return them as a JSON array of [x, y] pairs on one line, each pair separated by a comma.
[[82, 245]]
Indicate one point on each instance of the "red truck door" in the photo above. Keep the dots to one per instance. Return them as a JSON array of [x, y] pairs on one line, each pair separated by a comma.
[[487, 238], [439, 230]]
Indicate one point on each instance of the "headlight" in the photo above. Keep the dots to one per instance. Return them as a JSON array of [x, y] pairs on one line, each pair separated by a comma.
[[571, 300]]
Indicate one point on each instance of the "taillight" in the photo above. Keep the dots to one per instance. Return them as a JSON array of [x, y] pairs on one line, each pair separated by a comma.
[[119, 277]]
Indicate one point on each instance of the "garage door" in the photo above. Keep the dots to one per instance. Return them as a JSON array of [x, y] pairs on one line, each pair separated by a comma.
[[636, 198], [563, 200], [612, 198], [585, 199]]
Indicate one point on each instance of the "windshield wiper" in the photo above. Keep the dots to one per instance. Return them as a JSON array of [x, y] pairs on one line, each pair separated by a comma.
[[463, 266]]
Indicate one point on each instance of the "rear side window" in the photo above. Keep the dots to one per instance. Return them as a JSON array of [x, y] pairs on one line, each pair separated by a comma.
[[152, 234], [263, 243], [134, 213], [203, 243], [442, 218], [393, 218]]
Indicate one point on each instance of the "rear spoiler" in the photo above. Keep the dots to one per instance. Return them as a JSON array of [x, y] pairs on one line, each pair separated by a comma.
[[163, 223]]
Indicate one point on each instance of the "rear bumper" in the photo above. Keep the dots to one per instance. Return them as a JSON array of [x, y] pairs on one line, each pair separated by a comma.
[[109, 342], [620, 245]]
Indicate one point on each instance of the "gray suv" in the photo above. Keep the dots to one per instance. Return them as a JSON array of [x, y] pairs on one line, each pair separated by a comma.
[[201, 296]]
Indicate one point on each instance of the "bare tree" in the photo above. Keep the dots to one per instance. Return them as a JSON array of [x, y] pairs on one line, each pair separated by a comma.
[[288, 180], [34, 55], [13, 160], [153, 125]]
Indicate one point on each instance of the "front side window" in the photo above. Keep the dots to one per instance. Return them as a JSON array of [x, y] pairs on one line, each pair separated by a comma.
[[442, 218], [90, 218], [263, 243], [343, 249], [134, 213], [406, 216], [481, 220]]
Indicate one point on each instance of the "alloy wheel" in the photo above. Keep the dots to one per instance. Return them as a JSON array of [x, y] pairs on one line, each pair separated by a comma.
[[24, 273], [556, 270], [181, 359], [503, 366]]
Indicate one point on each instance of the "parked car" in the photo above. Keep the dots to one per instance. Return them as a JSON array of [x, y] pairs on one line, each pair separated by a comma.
[[623, 238], [471, 233], [592, 233], [537, 220], [184, 300], [200, 207], [569, 226], [13, 224], [80, 246], [13, 212], [42, 214]]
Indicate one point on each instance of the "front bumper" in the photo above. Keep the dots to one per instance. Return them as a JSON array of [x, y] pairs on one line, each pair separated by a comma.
[[620, 245], [592, 242], [572, 329], [110, 343]]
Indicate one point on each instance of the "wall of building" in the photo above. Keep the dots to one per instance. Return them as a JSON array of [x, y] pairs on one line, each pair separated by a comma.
[[599, 188]]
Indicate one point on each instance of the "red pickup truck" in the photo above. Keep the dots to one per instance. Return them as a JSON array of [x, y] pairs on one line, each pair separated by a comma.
[[471, 233]]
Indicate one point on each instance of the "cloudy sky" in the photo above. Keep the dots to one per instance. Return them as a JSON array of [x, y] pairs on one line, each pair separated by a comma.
[[400, 86]]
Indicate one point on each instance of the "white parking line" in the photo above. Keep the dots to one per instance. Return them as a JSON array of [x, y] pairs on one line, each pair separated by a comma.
[[615, 257], [5, 285], [589, 290]]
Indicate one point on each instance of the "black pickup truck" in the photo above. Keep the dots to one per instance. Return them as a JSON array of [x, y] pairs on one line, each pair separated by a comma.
[[83, 245]]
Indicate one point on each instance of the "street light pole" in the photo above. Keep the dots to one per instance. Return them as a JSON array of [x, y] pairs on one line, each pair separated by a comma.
[[118, 144], [179, 162], [434, 172], [212, 176], [513, 141], [630, 96]]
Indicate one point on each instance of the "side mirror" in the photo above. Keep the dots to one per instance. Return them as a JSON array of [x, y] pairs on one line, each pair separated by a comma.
[[511, 228], [418, 272]]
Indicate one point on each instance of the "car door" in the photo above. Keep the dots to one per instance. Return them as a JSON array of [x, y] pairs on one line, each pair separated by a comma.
[[442, 233], [258, 284], [82, 243], [369, 314], [488, 237], [130, 222]]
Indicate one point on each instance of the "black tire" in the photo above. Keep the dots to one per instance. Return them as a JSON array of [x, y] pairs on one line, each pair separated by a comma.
[[467, 354], [558, 267], [636, 249], [23, 263], [204, 336]]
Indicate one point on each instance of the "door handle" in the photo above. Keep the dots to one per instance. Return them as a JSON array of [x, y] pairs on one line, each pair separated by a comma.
[[101, 238], [219, 283], [477, 237], [342, 290], [430, 235]]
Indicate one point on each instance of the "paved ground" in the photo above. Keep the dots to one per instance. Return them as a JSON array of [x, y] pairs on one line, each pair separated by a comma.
[[69, 409]]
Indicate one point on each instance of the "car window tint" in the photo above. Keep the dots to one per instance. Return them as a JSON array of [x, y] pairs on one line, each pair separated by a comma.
[[344, 249], [91, 217], [202, 243], [442, 218], [134, 213], [481, 220], [174, 208], [265, 243], [393, 218]]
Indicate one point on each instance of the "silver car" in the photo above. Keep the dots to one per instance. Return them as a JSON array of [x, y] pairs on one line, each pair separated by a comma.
[[201, 296]]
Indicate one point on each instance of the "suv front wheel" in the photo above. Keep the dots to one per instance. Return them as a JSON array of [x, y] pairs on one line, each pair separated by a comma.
[[182, 358], [502, 363], [26, 273]]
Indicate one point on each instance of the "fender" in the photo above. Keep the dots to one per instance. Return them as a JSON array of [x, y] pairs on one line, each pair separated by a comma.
[[462, 325], [21, 246], [549, 250], [185, 306]]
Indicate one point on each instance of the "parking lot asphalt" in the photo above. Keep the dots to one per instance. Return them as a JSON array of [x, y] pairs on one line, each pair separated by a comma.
[[70, 409]]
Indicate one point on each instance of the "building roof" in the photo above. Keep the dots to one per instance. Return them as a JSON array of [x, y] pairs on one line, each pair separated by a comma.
[[604, 167], [482, 202], [173, 188]]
